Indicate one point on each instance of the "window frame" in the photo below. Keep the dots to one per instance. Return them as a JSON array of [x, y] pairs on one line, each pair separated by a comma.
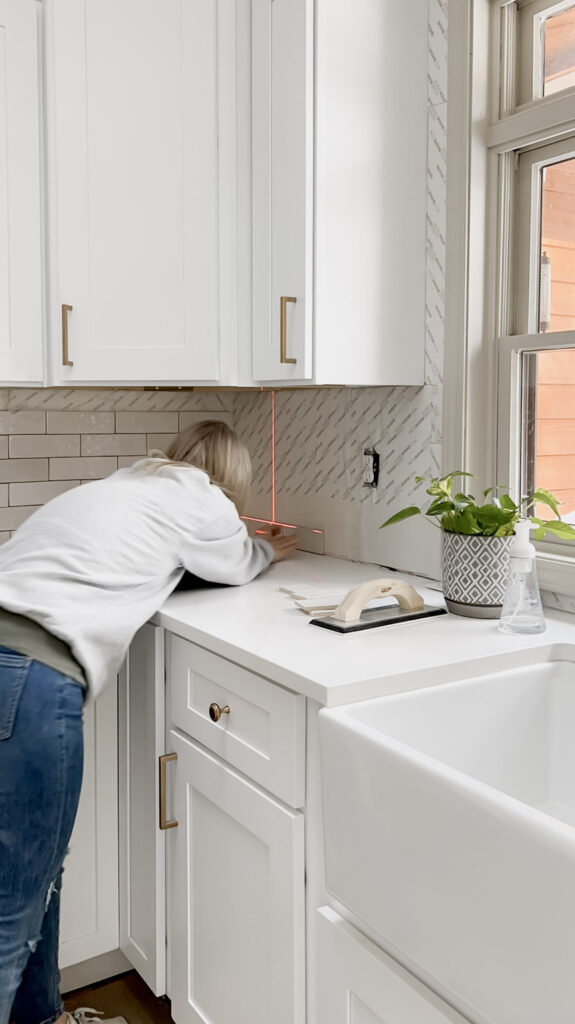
[[483, 356]]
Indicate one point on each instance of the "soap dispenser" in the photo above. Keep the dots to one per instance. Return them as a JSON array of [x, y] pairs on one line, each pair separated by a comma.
[[522, 611]]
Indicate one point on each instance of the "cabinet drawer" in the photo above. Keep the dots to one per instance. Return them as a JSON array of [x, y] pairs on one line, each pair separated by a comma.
[[264, 732]]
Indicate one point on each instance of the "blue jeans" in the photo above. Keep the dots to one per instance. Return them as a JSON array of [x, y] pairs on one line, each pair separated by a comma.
[[41, 751]]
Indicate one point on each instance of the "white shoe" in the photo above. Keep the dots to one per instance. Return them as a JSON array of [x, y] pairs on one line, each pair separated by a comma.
[[79, 1016]]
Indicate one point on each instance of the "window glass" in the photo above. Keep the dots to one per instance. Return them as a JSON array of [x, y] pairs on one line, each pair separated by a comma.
[[559, 51], [548, 441], [557, 255]]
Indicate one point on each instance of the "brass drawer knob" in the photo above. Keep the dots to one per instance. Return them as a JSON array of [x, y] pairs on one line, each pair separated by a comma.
[[216, 711]]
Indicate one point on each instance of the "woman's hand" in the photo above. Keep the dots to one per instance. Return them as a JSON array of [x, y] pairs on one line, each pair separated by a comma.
[[283, 546]]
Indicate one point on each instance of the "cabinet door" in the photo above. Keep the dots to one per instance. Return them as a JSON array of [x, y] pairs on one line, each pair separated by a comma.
[[236, 883], [282, 167], [359, 984], [89, 909], [142, 844], [21, 319], [134, 128]]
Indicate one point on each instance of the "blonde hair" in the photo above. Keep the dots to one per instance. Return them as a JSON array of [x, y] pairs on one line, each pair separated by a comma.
[[215, 448]]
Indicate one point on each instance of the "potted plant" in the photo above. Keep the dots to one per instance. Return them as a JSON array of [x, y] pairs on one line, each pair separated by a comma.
[[476, 539]]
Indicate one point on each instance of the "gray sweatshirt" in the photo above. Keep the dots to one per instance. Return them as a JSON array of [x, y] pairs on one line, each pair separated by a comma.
[[92, 565]]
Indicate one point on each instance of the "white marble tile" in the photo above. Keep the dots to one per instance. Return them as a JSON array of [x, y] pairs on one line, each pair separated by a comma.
[[146, 422], [22, 422], [110, 399], [434, 352], [13, 517], [31, 446], [12, 470], [79, 422], [83, 468], [114, 444], [39, 493], [437, 51]]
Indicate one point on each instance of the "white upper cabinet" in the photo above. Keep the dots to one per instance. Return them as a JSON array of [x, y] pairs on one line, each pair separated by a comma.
[[339, 147], [21, 316], [236, 192], [139, 95], [282, 169]]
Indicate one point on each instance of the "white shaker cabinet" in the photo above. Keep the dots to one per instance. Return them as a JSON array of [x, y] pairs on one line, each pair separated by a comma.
[[142, 843], [282, 186], [235, 861], [339, 156], [21, 270], [140, 130], [89, 909], [210, 815], [236, 884]]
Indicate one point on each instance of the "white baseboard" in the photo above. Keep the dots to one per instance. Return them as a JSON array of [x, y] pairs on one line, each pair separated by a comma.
[[97, 969]]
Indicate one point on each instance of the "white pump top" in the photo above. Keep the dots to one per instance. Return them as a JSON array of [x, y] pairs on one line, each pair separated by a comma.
[[521, 550]]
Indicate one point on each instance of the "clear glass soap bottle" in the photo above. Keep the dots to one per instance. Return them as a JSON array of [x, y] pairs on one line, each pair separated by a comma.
[[522, 612]]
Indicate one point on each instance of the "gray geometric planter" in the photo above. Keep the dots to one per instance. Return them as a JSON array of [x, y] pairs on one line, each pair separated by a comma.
[[475, 574]]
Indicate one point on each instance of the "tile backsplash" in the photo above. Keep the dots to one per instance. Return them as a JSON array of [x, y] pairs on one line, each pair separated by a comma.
[[56, 438]]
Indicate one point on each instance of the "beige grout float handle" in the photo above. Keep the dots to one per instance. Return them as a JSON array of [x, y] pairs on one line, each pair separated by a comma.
[[353, 603]]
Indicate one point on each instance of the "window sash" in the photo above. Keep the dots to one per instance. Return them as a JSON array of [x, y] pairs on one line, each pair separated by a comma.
[[510, 416], [528, 213]]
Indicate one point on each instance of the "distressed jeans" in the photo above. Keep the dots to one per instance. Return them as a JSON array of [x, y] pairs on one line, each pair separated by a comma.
[[41, 750]]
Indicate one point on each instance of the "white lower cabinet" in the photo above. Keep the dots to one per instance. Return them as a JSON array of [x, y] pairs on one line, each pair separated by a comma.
[[236, 885], [213, 854], [89, 908], [233, 925], [359, 984], [142, 844]]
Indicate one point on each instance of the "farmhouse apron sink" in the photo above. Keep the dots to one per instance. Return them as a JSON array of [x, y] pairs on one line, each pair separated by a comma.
[[450, 831]]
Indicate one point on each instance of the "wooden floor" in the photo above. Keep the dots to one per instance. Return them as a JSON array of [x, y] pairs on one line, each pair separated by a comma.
[[125, 996]]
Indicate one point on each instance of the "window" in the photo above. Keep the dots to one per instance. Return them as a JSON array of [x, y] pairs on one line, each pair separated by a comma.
[[546, 48], [532, 152]]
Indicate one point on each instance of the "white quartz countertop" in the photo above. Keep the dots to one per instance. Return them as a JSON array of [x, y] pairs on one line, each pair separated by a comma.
[[259, 627]]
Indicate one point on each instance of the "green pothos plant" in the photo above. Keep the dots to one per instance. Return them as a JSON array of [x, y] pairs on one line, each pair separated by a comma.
[[494, 516]]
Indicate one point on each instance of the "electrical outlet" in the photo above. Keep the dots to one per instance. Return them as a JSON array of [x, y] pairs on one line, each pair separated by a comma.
[[370, 467]]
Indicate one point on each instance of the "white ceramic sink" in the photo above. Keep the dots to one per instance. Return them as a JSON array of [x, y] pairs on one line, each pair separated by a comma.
[[450, 831]]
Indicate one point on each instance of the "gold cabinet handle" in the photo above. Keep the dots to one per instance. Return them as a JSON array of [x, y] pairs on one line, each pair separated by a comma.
[[65, 360], [283, 328], [164, 823], [216, 711]]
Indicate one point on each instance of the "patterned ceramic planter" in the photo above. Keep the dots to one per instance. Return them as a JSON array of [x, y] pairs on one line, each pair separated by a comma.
[[475, 574]]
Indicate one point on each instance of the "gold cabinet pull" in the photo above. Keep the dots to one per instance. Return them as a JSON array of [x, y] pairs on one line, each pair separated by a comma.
[[283, 328], [216, 711], [164, 823], [65, 360]]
